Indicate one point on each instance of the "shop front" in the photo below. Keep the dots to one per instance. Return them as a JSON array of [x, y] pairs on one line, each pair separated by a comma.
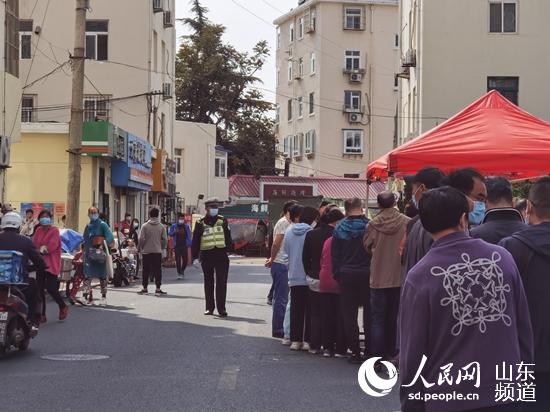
[[164, 185]]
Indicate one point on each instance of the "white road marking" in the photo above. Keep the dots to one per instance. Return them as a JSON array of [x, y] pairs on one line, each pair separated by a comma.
[[228, 378]]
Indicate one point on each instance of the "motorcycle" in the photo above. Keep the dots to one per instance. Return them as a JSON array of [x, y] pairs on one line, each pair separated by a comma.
[[15, 327]]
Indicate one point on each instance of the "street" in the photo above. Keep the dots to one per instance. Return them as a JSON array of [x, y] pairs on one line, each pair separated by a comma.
[[165, 355]]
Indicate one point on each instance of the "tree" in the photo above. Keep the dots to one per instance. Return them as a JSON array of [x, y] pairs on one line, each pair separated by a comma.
[[215, 84]]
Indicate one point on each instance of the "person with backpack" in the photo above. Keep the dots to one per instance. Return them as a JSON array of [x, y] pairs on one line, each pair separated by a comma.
[[180, 232]]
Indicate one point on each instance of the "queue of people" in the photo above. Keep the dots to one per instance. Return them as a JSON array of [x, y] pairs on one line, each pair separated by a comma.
[[467, 271]]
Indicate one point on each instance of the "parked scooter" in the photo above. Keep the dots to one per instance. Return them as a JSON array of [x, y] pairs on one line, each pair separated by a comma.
[[15, 327]]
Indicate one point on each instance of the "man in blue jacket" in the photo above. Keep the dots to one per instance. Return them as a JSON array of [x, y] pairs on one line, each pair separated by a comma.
[[351, 268], [182, 240]]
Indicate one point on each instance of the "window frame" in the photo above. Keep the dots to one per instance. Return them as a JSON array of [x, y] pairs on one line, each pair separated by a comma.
[[312, 63], [301, 67], [502, 4], [505, 90], [25, 33], [96, 34], [354, 96], [309, 142], [354, 58], [290, 70], [220, 166], [300, 101], [301, 27], [352, 150], [278, 37], [311, 103], [348, 15], [298, 145], [178, 158], [291, 33], [28, 116], [95, 110], [11, 37], [290, 108]]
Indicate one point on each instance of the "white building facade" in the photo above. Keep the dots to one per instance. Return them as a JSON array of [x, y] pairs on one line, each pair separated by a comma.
[[453, 52], [336, 92]]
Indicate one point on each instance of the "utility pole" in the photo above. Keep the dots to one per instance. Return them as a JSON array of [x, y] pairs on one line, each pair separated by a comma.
[[77, 116]]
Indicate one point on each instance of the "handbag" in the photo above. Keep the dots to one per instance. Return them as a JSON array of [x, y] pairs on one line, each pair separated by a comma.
[[109, 267], [97, 255]]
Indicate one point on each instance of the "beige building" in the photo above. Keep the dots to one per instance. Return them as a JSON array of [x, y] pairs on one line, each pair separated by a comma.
[[336, 92], [453, 52], [201, 166], [129, 82], [10, 85]]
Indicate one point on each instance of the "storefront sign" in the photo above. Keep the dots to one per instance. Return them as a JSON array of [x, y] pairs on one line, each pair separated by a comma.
[[136, 172], [285, 190], [104, 139], [160, 183]]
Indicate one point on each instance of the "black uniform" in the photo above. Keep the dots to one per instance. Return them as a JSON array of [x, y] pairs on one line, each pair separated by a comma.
[[10, 239], [214, 261]]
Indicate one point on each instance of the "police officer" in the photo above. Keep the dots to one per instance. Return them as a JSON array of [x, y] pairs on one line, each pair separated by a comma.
[[211, 238]]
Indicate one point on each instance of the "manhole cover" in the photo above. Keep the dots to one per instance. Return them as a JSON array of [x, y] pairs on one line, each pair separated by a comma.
[[74, 358]]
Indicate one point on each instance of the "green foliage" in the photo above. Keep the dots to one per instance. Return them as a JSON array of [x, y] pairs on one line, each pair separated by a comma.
[[214, 85], [521, 189]]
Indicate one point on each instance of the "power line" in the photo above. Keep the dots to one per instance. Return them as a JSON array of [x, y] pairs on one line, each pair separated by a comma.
[[60, 66]]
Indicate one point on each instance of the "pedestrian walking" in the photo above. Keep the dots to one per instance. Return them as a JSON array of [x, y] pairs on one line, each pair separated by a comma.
[[333, 335], [293, 246], [153, 240], [134, 236], [98, 239], [48, 242], [531, 251], [311, 258], [501, 219], [278, 263], [351, 267], [453, 318], [381, 241], [211, 239], [180, 233], [418, 241], [27, 228]]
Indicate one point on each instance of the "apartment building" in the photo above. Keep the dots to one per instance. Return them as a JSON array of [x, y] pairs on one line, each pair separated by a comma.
[[10, 86], [453, 52], [336, 91], [129, 107]]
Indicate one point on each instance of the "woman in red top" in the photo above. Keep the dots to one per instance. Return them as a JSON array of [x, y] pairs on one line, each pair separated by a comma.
[[48, 241]]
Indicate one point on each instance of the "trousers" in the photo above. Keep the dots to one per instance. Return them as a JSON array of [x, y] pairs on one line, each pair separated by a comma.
[[300, 323], [216, 270], [152, 266], [181, 260], [354, 293], [49, 283]]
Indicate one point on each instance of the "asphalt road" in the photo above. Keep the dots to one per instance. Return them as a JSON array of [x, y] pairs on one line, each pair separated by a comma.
[[165, 355]]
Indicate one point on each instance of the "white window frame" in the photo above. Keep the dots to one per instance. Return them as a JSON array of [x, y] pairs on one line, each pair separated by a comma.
[[353, 57], [291, 33], [355, 100], [300, 107], [287, 146], [96, 35], [301, 67], [220, 166], [312, 63], [278, 36], [178, 158], [27, 34], [352, 133], [28, 113], [301, 28], [502, 3], [313, 19], [298, 145], [91, 113], [347, 15], [290, 108], [311, 103], [290, 70], [309, 146]]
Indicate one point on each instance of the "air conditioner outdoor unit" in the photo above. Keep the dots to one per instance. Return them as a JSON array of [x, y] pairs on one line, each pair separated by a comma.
[[168, 22], [157, 6], [355, 117], [410, 58], [5, 149], [356, 77], [167, 91]]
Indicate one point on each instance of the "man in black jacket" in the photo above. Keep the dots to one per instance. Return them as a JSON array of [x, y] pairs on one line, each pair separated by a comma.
[[351, 268], [531, 251], [501, 219], [311, 258]]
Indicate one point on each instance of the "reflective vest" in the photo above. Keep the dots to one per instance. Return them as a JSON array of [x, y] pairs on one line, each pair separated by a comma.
[[213, 237]]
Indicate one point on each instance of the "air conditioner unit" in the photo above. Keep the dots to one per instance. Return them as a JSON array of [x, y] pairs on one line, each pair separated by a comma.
[[410, 58], [167, 91], [157, 6], [5, 149], [355, 117], [356, 77], [168, 22]]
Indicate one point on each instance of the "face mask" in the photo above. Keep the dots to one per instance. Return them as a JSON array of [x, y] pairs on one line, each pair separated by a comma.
[[476, 216], [213, 212], [94, 217], [45, 221], [414, 201], [181, 222], [136, 225]]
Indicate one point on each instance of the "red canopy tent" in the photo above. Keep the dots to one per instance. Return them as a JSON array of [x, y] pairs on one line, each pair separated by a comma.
[[491, 135]]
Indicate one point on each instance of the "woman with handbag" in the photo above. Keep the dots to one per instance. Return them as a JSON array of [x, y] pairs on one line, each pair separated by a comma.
[[98, 239], [48, 242]]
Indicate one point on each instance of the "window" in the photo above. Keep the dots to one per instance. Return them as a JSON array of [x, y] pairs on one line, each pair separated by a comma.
[[220, 163], [312, 19], [291, 33], [507, 86], [277, 113], [300, 107], [289, 109], [353, 141], [310, 142], [353, 18], [312, 63], [301, 67], [396, 41], [96, 107], [155, 51], [502, 16], [301, 28], [312, 103], [287, 143], [11, 38], [395, 83], [278, 33], [353, 60], [178, 158], [290, 70], [97, 39], [297, 145], [25, 39], [352, 100], [27, 109]]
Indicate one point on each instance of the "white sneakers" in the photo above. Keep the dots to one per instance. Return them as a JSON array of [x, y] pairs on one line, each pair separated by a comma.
[[296, 346], [286, 341]]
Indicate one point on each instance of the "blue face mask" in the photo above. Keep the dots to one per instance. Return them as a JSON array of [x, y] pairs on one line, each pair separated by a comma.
[[476, 216], [213, 212], [45, 221], [94, 217]]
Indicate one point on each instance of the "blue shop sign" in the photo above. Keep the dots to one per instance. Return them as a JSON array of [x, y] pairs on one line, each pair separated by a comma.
[[136, 173]]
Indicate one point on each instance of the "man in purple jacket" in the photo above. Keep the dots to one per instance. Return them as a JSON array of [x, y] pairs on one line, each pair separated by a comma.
[[466, 312]]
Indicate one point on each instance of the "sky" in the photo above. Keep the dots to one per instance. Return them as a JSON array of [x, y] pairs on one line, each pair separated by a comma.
[[243, 29]]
